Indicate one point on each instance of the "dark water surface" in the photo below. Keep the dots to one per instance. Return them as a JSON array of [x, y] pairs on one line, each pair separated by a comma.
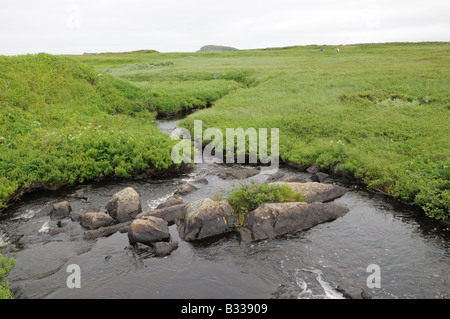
[[412, 252]]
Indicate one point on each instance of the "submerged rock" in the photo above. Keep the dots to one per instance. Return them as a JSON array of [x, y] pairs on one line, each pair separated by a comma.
[[185, 189], [205, 218], [242, 173], [271, 220], [124, 205], [159, 249]]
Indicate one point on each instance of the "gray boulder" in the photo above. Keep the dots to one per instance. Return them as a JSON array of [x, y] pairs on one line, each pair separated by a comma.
[[148, 230], [107, 230], [60, 210], [124, 205], [171, 201], [169, 214], [205, 218], [96, 220], [271, 220], [317, 192]]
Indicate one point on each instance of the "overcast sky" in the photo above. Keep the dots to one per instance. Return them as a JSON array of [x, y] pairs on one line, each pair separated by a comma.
[[75, 27]]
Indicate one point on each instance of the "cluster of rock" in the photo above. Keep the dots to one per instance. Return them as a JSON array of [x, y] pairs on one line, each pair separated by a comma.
[[205, 218]]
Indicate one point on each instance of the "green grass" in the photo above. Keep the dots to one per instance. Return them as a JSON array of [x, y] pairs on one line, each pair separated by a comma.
[[6, 265], [379, 112], [63, 122]]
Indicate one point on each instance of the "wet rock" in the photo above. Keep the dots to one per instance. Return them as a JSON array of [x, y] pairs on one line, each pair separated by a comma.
[[76, 216], [319, 177], [244, 234], [185, 189], [317, 192], [60, 210], [275, 177], [297, 178], [124, 205], [271, 220], [148, 230], [171, 201], [96, 220], [313, 169], [160, 248], [354, 293], [107, 231], [169, 214], [242, 173], [205, 218]]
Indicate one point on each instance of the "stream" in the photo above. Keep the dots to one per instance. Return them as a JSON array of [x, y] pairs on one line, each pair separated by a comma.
[[330, 260]]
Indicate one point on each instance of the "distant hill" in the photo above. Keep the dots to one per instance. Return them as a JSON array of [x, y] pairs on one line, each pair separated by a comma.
[[215, 48]]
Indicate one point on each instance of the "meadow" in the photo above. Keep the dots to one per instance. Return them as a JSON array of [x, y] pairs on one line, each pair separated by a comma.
[[376, 112]]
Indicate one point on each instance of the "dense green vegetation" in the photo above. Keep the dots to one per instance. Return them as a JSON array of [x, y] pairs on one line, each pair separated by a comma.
[[246, 197], [378, 112], [6, 264], [63, 122]]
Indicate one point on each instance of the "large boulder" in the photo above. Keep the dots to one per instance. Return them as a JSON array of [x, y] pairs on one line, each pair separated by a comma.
[[60, 210], [271, 220], [96, 220], [205, 218], [317, 192], [169, 213], [148, 230], [124, 205]]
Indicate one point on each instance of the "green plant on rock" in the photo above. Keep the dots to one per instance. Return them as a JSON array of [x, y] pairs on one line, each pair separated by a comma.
[[6, 264], [246, 197]]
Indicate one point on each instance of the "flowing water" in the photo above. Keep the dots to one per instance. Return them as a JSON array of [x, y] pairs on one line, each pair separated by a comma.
[[330, 260]]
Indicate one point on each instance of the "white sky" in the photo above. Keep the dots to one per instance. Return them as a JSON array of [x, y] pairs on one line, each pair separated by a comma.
[[78, 26]]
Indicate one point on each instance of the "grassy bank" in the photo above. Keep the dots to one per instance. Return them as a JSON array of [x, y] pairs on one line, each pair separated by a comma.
[[377, 112], [64, 122]]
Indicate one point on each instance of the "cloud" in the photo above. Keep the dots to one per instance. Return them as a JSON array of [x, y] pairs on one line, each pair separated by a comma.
[[77, 26]]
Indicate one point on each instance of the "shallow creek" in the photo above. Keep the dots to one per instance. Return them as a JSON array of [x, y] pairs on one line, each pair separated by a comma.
[[327, 261]]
